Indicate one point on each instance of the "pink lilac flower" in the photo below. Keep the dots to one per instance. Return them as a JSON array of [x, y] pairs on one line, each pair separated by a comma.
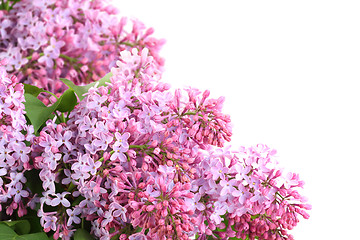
[[50, 222], [242, 193], [195, 204], [5, 152], [65, 39], [14, 150], [18, 61], [227, 187], [122, 140], [51, 160], [219, 210], [133, 155], [137, 236], [60, 198], [218, 170], [73, 216], [118, 154], [22, 152], [48, 57], [18, 192], [13, 97], [65, 140], [92, 167], [290, 180]]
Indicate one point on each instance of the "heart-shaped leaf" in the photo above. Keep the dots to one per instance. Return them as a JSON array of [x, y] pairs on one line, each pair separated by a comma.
[[37, 112]]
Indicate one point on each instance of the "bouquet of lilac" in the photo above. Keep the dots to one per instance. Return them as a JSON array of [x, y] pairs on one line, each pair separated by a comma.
[[129, 159], [126, 157]]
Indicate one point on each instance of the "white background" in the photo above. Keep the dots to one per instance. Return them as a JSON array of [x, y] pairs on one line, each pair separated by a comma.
[[289, 71]]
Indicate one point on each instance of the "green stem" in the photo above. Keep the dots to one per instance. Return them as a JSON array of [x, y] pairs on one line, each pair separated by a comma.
[[70, 59], [142, 147], [173, 222], [57, 115], [128, 157], [71, 187], [129, 44], [12, 5], [137, 73], [7, 6], [63, 118], [102, 158], [189, 113], [30, 57]]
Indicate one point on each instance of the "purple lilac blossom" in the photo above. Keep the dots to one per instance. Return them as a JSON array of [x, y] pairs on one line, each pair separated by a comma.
[[158, 165]]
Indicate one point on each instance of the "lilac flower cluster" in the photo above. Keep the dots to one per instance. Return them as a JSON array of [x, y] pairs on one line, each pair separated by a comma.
[[129, 145], [248, 188], [45, 40], [15, 138], [136, 161]]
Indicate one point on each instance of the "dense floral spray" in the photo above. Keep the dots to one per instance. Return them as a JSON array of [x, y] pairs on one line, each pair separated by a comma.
[[125, 156]]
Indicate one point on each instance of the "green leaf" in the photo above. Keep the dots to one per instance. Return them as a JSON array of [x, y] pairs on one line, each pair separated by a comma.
[[33, 90], [81, 90], [67, 101], [103, 80], [34, 221], [33, 236], [82, 234], [6, 233], [37, 112], [20, 227]]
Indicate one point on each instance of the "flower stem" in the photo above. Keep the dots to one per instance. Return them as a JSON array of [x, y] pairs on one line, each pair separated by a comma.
[[71, 187], [129, 44], [30, 56], [102, 158], [60, 119], [142, 147], [70, 59]]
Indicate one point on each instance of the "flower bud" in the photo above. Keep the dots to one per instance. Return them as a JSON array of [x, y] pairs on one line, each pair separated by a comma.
[[138, 176]]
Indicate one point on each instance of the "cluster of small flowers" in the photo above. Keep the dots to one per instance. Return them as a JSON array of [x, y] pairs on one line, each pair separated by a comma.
[[15, 138], [248, 189], [45, 40], [138, 161], [129, 150]]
